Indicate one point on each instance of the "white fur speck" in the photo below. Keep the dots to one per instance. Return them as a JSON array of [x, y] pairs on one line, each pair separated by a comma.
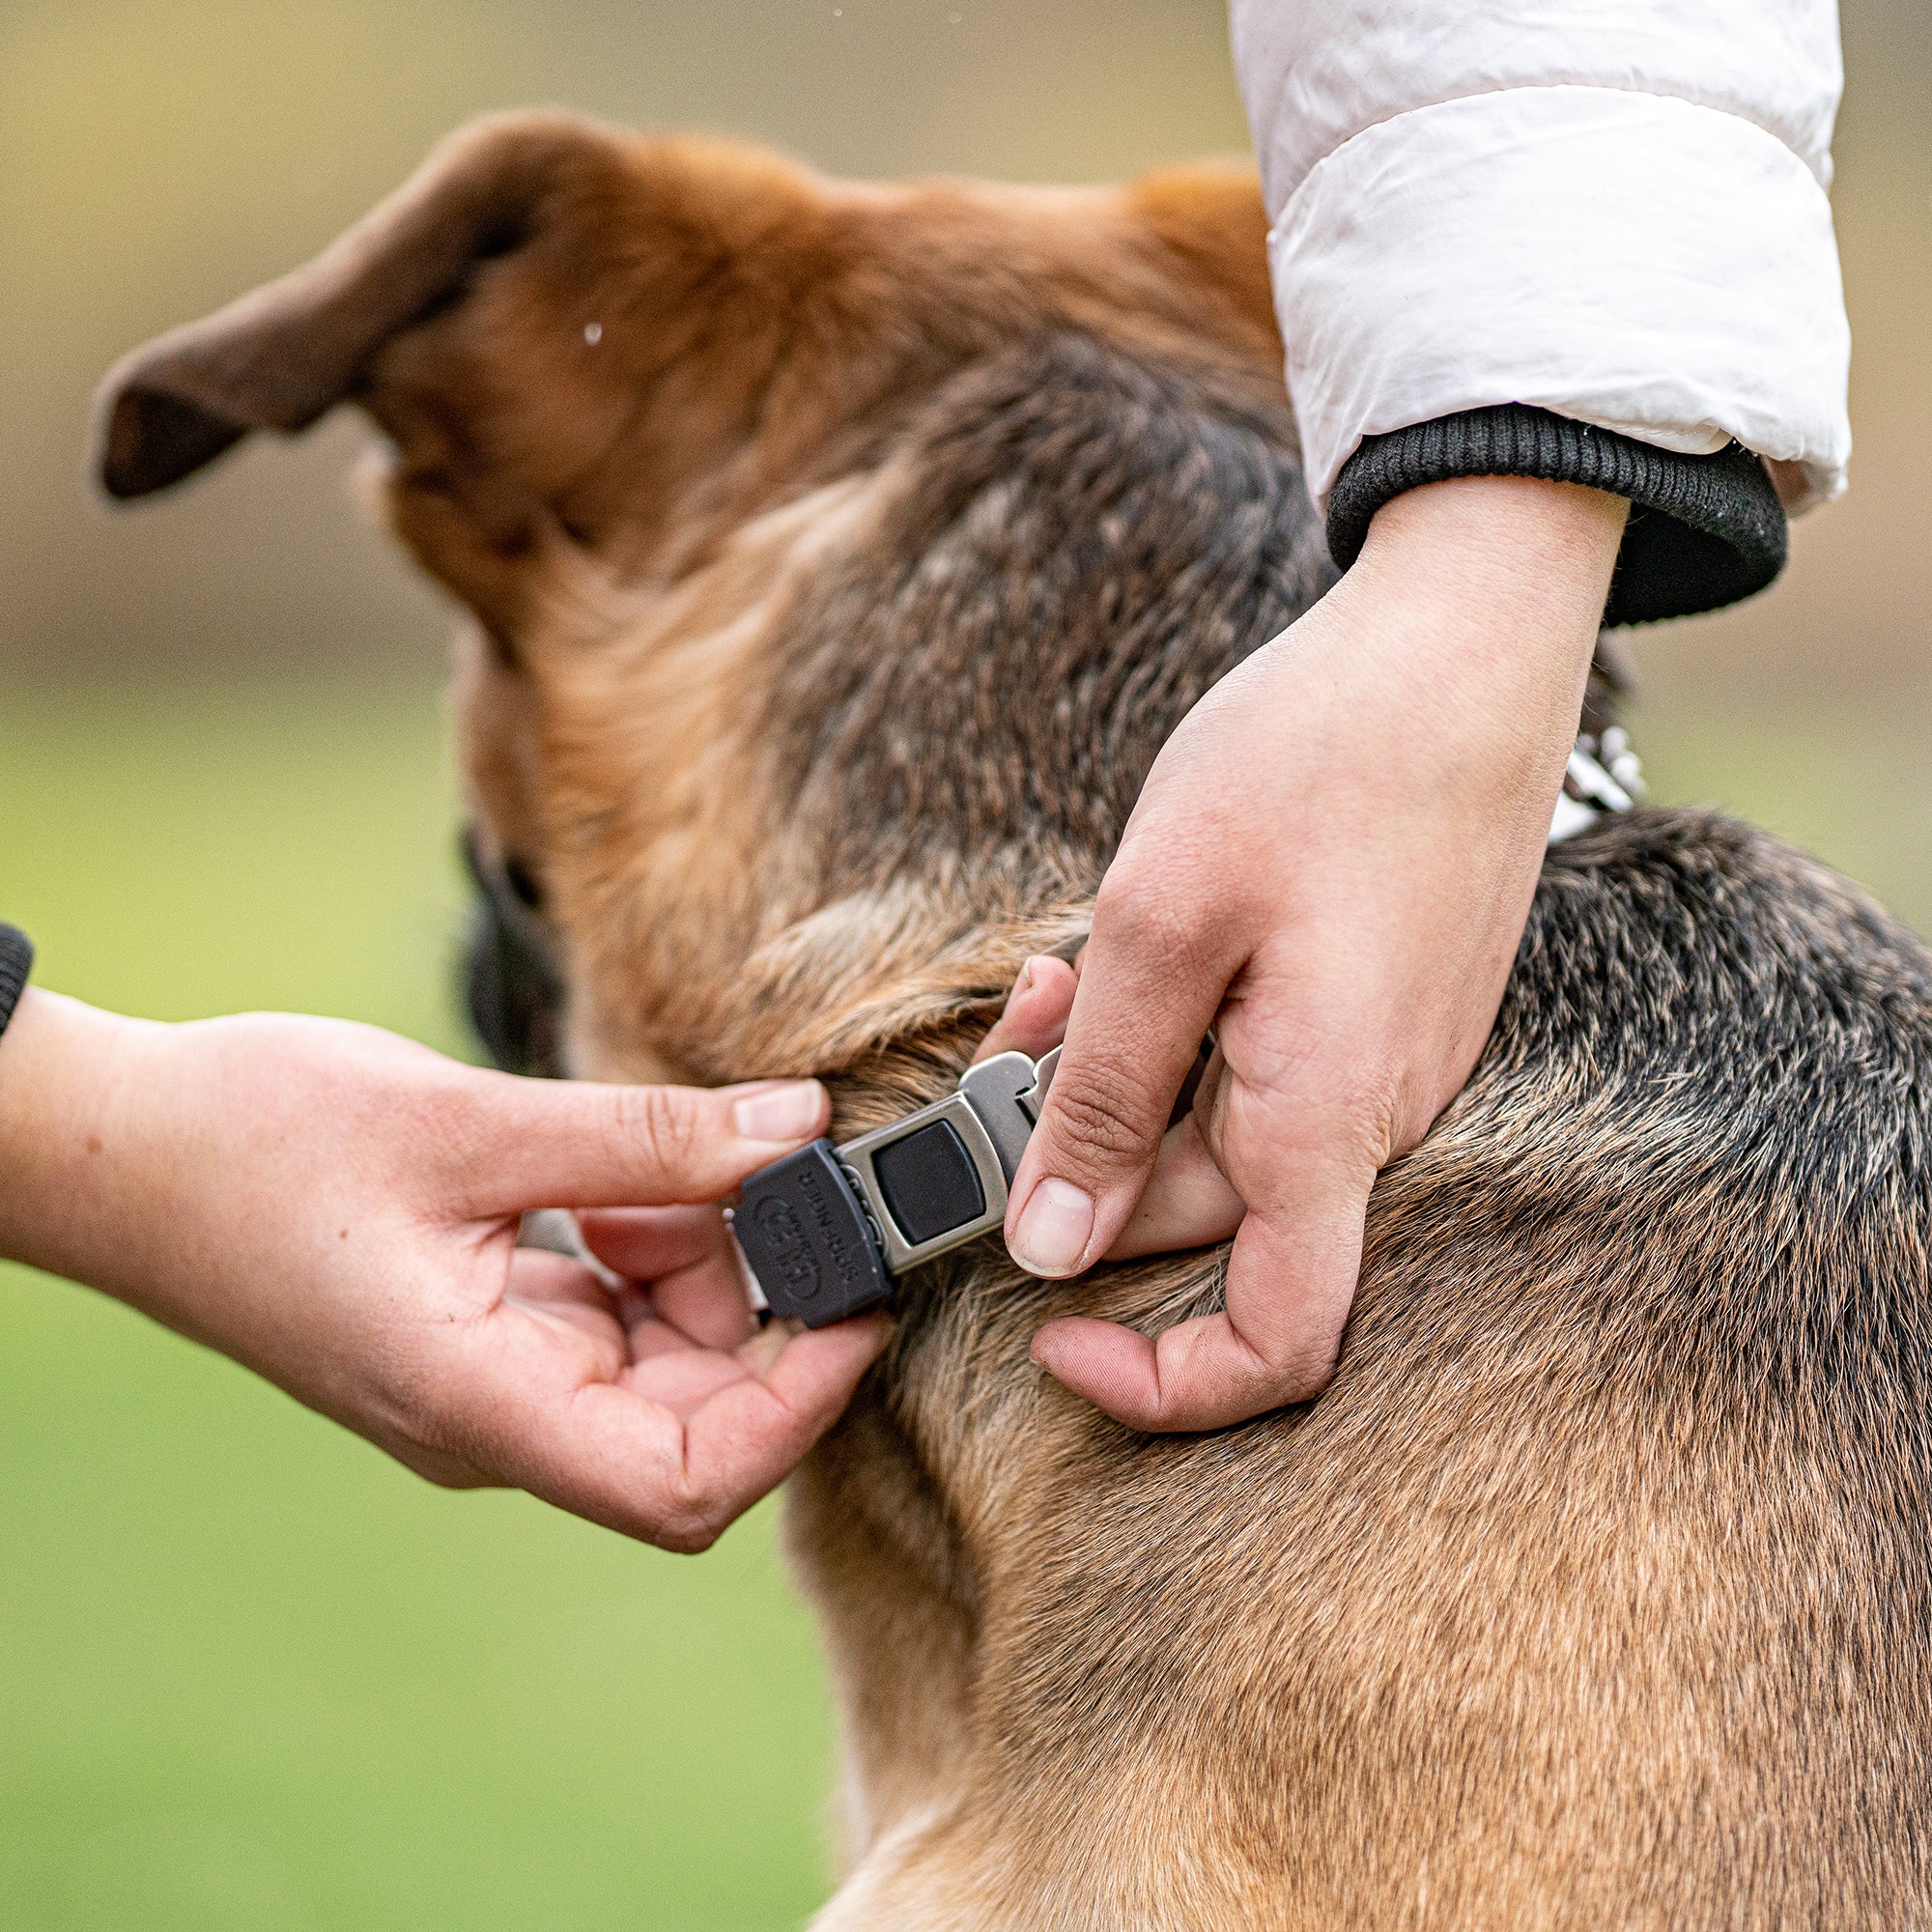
[[593, 333]]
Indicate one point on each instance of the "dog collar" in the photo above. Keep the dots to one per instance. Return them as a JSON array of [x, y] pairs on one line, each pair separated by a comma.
[[826, 1231], [1604, 775]]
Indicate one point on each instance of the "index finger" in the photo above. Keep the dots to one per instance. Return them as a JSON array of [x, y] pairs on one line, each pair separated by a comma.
[[524, 1143], [1150, 986]]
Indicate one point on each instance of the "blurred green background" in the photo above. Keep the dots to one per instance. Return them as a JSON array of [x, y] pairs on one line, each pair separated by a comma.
[[251, 1675]]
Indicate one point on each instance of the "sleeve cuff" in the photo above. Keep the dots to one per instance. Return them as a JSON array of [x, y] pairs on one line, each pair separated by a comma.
[[1704, 530], [17, 961], [1654, 267]]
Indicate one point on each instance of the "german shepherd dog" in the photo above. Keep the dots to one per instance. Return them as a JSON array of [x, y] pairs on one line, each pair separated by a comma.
[[838, 557]]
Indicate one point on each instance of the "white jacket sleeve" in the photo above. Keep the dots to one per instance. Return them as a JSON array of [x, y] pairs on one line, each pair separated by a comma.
[[1611, 210]]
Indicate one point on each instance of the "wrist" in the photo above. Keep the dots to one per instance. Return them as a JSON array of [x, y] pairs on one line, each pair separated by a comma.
[[64, 1069], [1547, 550], [1440, 684], [1491, 590]]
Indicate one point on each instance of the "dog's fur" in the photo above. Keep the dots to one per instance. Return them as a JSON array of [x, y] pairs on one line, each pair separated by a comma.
[[832, 603]]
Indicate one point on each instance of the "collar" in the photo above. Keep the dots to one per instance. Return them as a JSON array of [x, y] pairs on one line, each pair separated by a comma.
[[826, 1231], [1604, 775]]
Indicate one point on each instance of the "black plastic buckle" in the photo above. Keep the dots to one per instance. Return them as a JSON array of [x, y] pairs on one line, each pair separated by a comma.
[[804, 1235]]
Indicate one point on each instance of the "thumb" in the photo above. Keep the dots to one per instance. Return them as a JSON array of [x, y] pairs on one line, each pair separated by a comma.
[[1145, 999], [580, 1144]]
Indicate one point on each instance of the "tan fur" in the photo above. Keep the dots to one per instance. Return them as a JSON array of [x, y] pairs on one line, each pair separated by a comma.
[[1537, 1618]]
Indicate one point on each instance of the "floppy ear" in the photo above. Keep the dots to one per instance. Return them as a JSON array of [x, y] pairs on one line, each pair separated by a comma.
[[285, 355]]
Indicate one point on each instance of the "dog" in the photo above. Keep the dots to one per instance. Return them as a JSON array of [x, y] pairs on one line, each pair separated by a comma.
[[837, 558]]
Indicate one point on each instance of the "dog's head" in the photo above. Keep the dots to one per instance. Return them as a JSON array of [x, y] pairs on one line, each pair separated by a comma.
[[838, 558]]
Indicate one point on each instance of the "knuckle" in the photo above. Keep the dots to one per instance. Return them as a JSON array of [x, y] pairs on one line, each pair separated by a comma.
[[1148, 915], [1366, 1111], [1096, 1118], [1305, 1382], [688, 1536], [658, 1125], [691, 1517]]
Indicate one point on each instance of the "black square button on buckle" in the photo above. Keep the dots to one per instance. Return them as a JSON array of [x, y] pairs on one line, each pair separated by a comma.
[[827, 1230]]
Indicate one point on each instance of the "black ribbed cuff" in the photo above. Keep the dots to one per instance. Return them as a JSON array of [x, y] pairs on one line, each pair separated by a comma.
[[17, 961], [1703, 530]]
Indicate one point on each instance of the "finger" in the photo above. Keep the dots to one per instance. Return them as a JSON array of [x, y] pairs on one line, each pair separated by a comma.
[[1150, 988], [1034, 1019], [681, 1378], [643, 1243], [578, 1143], [560, 1291], [708, 1302], [1291, 1280], [749, 1437], [610, 1454], [1187, 1201], [697, 1290]]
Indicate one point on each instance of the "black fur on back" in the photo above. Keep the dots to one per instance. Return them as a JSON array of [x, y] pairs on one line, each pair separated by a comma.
[[1084, 544]]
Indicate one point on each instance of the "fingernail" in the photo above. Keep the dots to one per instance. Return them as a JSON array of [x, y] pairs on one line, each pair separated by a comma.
[[1019, 985], [1054, 1229], [785, 1113]]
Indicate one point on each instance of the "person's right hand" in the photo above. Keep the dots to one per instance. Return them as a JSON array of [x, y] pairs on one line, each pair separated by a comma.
[[1187, 1201], [337, 1208]]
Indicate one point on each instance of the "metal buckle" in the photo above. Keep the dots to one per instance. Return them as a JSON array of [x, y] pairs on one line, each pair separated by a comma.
[[990, 1114], [1600, 778]]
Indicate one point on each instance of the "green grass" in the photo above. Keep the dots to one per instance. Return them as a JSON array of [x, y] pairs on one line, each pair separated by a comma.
[[251, 1674]]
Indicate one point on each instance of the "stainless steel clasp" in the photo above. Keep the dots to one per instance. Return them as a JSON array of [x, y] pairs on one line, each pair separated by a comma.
[[939, 1177]]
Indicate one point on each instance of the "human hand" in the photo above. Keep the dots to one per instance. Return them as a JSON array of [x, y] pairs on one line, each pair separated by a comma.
[[1330, 865], [338, 1208]]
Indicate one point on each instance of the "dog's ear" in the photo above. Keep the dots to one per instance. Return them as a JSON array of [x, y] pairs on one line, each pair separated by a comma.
[[282, 356]]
